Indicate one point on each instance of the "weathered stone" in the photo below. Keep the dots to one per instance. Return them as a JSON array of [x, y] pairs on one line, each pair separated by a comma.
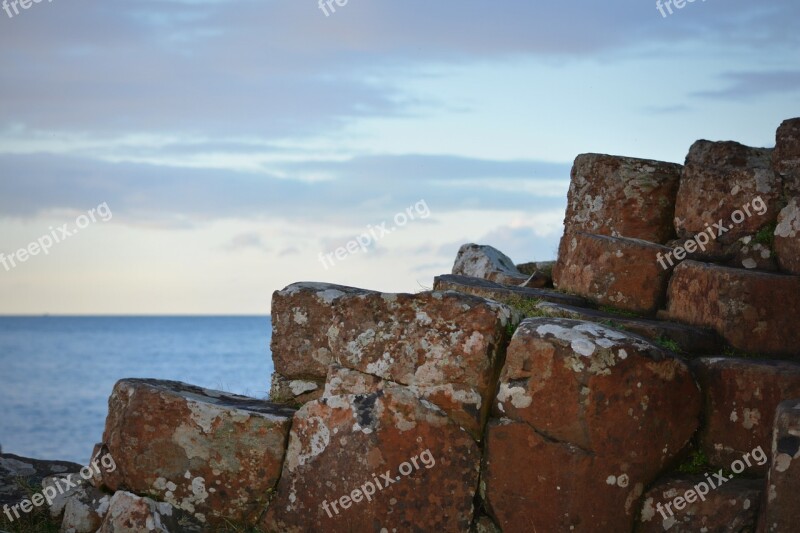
[[688, 339], [620, 272], [446, 346], [531, 483], [295, 391], [732, 507], [485, 262], [17, 473], [503, 293], [530, 268], [128, 513], [343, 381], [212, 454], [786, 158], [484, 524], [600, 389], [787, 237], [751, 255], [419, 468], [756, 312], [720, 178], [741, 396], [622, 197], [84, 510], [782, 512]]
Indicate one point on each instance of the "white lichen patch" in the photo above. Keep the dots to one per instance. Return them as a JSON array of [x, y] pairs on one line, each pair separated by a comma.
[[750, 418], [300, 317], [518, 396], [299, 387]]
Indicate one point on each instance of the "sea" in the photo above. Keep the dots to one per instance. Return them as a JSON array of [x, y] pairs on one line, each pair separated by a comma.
[[56, 373]]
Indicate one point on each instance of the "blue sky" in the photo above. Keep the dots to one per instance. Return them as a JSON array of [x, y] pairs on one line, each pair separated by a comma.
[[235, 141]]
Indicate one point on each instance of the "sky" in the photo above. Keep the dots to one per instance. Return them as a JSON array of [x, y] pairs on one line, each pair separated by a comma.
[[192, 157]]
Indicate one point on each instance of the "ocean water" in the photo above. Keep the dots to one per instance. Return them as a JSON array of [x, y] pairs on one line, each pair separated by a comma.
[[56, 373]]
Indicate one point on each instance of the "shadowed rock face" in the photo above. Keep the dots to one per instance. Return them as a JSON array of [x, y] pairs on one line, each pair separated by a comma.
[[212, 454], [787, 237], [741, 396], [589, 411], [755, 312], [623, 273], [786, 158], [731, 507], [718, 179], [622, 197], [499, 292], [16, 472], [783, 484], [339, 444], [445, 346]]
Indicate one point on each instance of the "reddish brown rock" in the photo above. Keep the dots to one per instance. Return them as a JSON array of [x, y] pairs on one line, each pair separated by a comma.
[[755, 312], [741, 396], [721, 178], [295, 391], [752, 255], [622, 197], [732, 507], [446, 346], [485, 262], [383, 461], [504, 293], [212, 454], [787, 237], [600, 389], [128, 513], [532, 483], [782, 511], [687, 339], [786, 158], [623, 273]]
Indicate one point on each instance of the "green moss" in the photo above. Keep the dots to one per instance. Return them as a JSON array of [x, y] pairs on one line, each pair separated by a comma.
[[619, 312], [696, 463], [526, 306], [766, 236], [669, 344]]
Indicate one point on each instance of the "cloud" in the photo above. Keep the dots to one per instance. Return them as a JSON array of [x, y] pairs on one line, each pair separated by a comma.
[[752, 85], [246, 241]]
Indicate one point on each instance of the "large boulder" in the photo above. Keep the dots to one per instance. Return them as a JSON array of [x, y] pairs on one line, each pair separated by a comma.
[[787, 237], [212, 454], [755, 312], [741, 396], [611, 406], [720, 178], [486, 262], [446, 346], [384, 461], [782, 512], [786, 158], [628, 274], [622, 197], [691, 505]]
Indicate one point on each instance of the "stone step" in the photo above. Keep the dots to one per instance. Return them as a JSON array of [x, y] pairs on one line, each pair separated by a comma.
[[689, 339], [502, 293]]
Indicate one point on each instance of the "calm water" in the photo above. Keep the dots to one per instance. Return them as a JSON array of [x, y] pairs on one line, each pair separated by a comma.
[[56, 373]]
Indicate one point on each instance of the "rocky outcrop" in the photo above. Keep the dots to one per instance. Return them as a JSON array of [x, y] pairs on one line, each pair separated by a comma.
[[783, 484], [755, 312], [485, 262], [741, 397], [786, 158], [615, 271], [386, 460], [445, 346], [211, 454], [504, 293], [787, 237], [18, 473], [601, 414], [622, 197]]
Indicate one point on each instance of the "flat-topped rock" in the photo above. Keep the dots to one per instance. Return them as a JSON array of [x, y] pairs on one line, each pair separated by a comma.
[[755, 312], [620, 272], [211, 454], [689, 504], [446, 346], [741, 396], [720, 178], [689, 339], [502, 293], [622, 197]]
